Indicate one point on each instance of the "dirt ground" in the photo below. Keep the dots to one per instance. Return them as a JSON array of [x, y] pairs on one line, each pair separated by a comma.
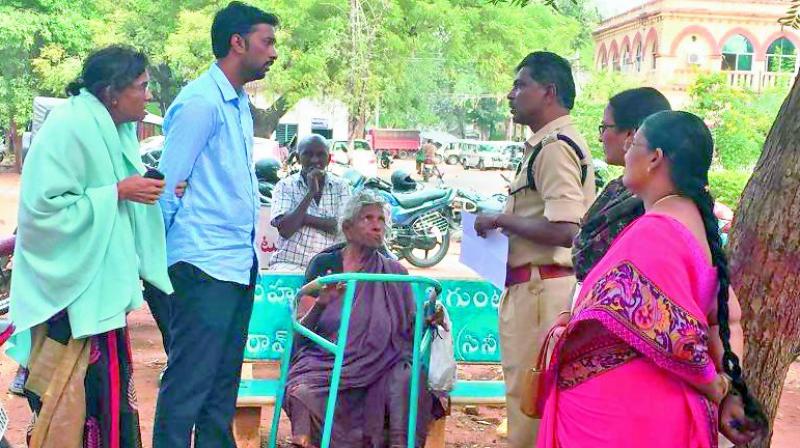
[[463, 430]]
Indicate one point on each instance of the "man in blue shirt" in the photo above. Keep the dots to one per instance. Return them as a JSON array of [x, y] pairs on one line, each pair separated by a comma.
[[210, 233]]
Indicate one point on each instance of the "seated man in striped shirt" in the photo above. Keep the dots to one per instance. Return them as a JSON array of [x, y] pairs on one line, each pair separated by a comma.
[[306, 208]]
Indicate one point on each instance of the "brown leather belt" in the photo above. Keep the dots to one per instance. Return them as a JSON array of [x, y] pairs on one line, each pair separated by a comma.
[[522, 274]]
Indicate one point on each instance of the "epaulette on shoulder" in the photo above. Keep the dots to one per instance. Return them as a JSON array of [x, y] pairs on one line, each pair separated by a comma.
[[550, 138]]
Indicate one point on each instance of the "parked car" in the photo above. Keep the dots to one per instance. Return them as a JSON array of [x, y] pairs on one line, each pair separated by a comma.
[[361, 157], [150, 150], [444, 142], [483, 155], [451, 154]]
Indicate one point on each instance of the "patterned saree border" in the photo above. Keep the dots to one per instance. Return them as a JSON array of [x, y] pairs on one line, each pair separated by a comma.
[[593, 361], [636, 310]]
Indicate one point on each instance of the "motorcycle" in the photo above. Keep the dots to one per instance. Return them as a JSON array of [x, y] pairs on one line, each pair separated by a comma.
[[267, 176], [385, 159], [471, 201], [432, 170], [421, 218]]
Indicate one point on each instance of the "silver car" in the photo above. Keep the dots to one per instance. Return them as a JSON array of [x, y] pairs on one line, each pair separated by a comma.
[[485, 154]]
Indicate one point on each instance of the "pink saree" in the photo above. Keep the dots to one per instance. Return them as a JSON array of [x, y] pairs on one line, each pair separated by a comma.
[[621, 374]]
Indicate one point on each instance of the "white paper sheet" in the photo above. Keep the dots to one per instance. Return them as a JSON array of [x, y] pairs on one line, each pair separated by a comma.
[[488, 256]]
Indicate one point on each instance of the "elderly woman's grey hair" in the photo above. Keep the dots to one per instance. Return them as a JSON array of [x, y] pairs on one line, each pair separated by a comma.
[[361, 199]]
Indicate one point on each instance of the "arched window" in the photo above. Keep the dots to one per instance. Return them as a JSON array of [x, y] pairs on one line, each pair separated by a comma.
[[737, 54], [615, 62], [639, 57], [626, 60], [653, 55], [781, 56]]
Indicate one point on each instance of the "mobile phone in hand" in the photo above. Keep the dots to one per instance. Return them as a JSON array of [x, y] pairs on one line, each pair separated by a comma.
[[153, 173]]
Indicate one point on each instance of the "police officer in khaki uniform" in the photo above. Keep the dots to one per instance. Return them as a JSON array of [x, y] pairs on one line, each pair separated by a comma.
[[552, 190]]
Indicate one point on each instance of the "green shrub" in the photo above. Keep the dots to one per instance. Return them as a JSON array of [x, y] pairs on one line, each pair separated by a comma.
[[739, 119], [727, 185]]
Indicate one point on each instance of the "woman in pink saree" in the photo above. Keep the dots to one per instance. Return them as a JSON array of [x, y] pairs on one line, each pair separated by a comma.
[[635, 365]]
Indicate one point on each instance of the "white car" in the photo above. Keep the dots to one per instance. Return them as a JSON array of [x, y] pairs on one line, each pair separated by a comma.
[[361, 158], [483, 155]]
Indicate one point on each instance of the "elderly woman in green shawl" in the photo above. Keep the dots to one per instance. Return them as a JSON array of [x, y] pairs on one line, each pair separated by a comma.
[[89, 230]]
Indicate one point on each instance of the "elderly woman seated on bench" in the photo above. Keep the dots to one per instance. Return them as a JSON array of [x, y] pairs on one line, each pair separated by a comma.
[[372, 406]]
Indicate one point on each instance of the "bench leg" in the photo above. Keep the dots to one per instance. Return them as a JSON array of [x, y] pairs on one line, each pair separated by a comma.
[[436, 432], [246, 427]]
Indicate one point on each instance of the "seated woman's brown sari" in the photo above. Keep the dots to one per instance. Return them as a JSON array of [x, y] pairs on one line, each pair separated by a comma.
[[376, 374]]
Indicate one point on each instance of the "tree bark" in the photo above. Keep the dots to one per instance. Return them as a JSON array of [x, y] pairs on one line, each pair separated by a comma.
[[765, 261], [358, 126], [168, 86], [265, 121], [15, 144]]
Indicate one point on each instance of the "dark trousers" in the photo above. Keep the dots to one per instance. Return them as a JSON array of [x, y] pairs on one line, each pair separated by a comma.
[[158, 302], [207, 336]]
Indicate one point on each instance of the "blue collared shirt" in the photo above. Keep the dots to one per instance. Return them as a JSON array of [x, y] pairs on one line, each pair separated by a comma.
[[209, 143]]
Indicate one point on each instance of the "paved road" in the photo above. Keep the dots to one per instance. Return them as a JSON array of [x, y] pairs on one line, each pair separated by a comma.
[[485, 182]]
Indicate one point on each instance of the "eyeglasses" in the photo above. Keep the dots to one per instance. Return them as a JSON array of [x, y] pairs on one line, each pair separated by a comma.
[[602, 128]]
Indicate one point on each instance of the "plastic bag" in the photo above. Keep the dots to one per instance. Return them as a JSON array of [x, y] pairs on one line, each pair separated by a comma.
[[442, 368]]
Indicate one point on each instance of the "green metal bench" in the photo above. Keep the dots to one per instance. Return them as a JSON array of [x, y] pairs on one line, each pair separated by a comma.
[[471, 304]]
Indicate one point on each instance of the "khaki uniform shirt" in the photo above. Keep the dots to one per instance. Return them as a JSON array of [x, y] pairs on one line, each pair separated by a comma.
[[559, 194]]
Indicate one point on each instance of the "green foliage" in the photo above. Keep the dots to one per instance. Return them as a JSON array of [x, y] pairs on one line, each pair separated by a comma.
[[591, 102], [727, 185], [38, 42], [421, 64], [187, 49], [551, 3], [55, 68], [487, 113], [739, 119]]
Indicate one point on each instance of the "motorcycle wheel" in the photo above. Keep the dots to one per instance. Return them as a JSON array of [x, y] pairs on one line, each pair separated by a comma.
[[428, 259]]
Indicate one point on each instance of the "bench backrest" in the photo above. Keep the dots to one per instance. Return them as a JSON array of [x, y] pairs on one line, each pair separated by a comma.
[[471, 304]]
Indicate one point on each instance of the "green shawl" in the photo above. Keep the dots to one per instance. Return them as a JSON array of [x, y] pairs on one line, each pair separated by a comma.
[[78, 247]]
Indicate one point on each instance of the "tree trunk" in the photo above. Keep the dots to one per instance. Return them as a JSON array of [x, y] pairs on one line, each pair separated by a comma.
[[265, 121], [168, 86], [15, 144], [358, 126], [765, 261]]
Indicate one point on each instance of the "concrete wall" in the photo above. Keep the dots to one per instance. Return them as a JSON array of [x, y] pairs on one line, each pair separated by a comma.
[[307, 113]]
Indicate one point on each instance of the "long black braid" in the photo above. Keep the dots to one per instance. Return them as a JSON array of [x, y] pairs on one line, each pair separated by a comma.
[[688, 145]]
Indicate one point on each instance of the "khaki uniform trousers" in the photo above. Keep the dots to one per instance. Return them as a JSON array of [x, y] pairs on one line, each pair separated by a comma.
[[527, 311]]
